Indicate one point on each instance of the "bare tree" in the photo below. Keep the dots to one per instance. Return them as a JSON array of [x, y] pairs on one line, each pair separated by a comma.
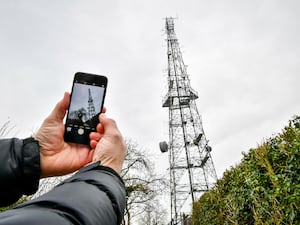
[[143, 185], [6, 128], [154, 214]]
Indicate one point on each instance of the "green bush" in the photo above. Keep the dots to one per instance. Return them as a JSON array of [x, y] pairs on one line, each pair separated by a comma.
[[263, 189], [21, 200]]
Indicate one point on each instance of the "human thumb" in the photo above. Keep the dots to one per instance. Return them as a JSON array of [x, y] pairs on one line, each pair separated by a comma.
[[59, 111]]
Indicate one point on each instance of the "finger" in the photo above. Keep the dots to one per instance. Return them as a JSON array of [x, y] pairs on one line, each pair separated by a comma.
[[66, 100], [61, 107], [109, 125], [104, 109], [93, 144], [100, 128], [95, 136]]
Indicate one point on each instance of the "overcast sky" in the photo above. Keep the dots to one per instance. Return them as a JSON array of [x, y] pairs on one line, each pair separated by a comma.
[[242, 56]]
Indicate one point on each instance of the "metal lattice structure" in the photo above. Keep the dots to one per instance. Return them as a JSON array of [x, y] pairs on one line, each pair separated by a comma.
[[91, 107], [191, 168]]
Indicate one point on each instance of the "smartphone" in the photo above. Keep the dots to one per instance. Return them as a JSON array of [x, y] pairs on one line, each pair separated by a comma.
[[87, 99]]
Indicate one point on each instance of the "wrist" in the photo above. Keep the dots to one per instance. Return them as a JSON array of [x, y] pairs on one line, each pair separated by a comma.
[[114, 166], [31, 165]]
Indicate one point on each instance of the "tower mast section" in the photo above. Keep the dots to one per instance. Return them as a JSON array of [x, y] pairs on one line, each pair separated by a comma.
[[191, 168]]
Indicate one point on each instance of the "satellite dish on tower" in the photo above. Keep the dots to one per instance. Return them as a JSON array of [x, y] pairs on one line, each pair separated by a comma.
[[163, 146]]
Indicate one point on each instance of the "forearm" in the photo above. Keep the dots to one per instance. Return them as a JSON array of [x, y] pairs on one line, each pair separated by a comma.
[[95, 195], [19, 169]]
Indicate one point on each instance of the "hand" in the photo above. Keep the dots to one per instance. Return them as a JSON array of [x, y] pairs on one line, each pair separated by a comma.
[[110, 147], [56, 156]]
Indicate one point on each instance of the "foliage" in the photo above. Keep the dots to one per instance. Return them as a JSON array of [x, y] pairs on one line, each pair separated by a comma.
[[21, 200], [263, 189]]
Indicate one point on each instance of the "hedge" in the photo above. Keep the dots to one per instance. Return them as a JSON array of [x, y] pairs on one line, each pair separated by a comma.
[[263, 189]]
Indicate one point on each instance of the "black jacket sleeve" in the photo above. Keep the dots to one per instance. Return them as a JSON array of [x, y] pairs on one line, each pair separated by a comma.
[[19, 169], [94, 195]]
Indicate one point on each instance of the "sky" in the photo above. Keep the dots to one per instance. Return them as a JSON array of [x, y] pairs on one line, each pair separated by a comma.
[[242, 57]]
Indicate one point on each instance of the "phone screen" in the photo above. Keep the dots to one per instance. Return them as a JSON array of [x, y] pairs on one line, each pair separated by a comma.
[[87, 98]]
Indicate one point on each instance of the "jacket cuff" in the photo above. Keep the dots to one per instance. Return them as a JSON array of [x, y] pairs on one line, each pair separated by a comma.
[[97, 165], [31, 166]]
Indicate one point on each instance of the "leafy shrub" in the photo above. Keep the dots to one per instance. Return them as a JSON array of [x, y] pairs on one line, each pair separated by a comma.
[[21, 200], [263, 189]]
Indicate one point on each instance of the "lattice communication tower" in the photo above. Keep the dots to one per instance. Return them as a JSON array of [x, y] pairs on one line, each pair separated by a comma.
[[191, 168], [91, 107]]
